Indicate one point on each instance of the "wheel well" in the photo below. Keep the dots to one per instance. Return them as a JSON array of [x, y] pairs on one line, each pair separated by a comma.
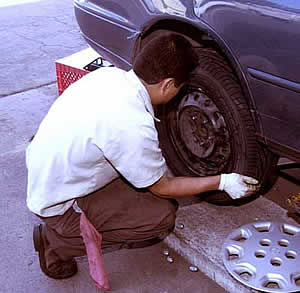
[[202, 38], [199, 38]]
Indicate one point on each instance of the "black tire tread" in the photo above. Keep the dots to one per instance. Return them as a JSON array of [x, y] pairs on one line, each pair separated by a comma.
[[260, 162]]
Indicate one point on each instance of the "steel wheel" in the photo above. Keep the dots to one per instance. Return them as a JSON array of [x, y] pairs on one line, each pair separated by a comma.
[[200, 134], [208, 129]]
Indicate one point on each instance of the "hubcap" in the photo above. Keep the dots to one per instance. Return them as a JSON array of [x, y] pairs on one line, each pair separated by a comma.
[[264, 256]]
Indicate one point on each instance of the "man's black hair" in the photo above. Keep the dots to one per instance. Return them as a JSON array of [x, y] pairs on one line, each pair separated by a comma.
[[167, 56]]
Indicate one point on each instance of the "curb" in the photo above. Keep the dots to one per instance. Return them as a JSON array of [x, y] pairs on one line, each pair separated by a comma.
[[207, 226]]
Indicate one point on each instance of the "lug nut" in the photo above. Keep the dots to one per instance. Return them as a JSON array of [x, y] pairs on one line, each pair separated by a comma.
[[180, 226], [166, 252], [193, 268], [170, 259]]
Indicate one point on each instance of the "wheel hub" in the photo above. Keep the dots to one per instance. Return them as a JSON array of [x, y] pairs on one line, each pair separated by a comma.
[[201, 136], [197, 131]]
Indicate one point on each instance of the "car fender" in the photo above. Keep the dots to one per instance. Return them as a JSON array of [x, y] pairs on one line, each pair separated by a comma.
[[199, 33]]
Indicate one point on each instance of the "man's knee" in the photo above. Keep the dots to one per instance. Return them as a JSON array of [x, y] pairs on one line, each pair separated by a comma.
[[170, 215], [159, 230]]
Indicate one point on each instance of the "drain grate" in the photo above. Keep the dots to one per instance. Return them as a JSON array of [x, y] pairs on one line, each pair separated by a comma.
[[264, 256]]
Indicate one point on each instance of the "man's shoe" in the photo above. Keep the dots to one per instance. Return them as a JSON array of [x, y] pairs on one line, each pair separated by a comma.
[[60, 269]]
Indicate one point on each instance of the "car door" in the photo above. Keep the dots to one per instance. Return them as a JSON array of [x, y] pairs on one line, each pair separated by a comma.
[[264, 36]]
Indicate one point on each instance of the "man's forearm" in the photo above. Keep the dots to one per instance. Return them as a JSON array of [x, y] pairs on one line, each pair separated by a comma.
[[174, 187]]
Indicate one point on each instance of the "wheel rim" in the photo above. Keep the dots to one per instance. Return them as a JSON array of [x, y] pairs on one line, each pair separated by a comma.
[[199, 133]]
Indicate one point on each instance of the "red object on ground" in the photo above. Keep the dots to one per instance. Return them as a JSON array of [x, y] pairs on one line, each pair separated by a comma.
[[71, 68], [66, 75], [92, 240]]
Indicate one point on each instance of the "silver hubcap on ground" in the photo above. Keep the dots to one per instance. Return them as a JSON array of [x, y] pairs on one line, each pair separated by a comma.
[[265, 256]]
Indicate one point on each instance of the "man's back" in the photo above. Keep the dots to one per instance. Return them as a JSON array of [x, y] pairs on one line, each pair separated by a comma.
[[84, 127]]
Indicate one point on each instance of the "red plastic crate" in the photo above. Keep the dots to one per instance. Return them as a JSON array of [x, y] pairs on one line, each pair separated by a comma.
[[66, 75], [71, 68]]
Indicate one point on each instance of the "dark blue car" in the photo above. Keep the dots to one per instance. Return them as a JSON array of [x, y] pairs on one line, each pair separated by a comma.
[[241, 110]]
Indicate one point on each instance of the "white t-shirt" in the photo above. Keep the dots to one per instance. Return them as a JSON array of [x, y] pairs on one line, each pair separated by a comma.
[[101, 125]]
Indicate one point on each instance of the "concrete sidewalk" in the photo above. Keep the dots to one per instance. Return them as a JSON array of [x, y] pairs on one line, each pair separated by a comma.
[[34, 35], [205, 226], [130, 271], [205, 229]]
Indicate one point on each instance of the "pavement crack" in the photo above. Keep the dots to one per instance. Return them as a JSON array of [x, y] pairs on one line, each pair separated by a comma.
[[42, 44], [27, 89], [60, 21]]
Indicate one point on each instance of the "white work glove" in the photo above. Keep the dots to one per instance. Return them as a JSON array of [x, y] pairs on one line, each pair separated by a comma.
[[237, 186]]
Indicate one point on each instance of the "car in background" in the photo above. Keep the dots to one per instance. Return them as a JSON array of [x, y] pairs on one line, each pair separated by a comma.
[[241, 110]]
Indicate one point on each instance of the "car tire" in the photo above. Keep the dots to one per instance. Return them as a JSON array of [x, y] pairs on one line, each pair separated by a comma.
[[208, 129]]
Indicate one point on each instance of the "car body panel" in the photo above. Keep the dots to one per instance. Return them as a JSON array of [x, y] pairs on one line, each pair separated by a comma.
[[261, 38], [264, 36]]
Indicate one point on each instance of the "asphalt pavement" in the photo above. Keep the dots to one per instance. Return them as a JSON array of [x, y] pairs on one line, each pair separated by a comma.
[[35, 33]]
